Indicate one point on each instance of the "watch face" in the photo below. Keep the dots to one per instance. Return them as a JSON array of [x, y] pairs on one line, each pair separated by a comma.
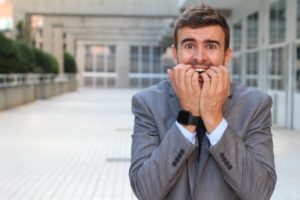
[[183, 117]]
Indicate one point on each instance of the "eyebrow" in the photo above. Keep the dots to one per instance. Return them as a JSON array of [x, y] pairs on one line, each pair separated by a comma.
[[206, 41], [212, 42], [188, 40]]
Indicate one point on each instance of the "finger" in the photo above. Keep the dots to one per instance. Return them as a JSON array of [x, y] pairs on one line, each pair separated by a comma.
[[195, 82], [181, 77], [175, 73], [227, 78], [221, 78], [188, 80], [213, 80], [226, 81], [205, 84]]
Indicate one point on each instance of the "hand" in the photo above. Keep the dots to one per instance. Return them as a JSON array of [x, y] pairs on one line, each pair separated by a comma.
[[185, 83], [214, 93]]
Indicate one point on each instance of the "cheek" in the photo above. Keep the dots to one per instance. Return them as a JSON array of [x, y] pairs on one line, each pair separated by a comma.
[[184, 57], [217, 59]]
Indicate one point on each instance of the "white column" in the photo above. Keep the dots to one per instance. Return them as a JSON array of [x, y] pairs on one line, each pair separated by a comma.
[[263, 41], [243, 50], [47, 35], [58, 48], [70, 41], [123, 64], [290, 77], [80, 60]]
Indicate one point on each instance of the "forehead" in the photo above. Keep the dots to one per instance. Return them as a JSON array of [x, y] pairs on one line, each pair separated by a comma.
[[202, 34]]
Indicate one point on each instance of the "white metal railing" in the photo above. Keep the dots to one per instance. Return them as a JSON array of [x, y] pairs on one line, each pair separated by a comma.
[[11, 80]]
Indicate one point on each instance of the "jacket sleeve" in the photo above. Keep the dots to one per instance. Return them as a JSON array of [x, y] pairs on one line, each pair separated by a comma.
[[248, 164], [156, 162]]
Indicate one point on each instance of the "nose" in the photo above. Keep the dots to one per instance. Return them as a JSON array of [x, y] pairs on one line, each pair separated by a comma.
[[200, 55]]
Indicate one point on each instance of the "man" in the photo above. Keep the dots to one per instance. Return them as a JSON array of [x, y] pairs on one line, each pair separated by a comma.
[[198, 136]]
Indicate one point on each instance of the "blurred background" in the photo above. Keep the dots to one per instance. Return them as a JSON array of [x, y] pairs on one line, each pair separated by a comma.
[[101, 48], [125, 44]]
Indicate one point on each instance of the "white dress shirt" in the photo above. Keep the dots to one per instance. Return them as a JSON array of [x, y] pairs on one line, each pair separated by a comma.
[[213, 138]]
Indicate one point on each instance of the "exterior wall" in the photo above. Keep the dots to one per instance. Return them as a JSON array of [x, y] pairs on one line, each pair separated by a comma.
[[286, 99], [69, 24], [18, 95]]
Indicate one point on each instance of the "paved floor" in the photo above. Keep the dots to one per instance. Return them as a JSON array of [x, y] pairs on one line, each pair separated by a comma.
[[77, 146]]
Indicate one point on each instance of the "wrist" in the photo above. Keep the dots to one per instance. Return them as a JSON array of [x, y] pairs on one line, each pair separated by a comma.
[[190, 128], [212, 124], [186, 118]]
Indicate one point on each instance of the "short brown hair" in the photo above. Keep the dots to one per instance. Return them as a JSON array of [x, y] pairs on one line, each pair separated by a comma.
[[201, 16]]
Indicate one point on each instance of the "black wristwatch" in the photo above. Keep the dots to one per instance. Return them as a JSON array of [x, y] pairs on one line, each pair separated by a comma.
[[185, 117]]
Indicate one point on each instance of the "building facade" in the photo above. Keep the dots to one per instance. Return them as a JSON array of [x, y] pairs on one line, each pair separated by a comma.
[[119, 43], [116, 43], [265, 38]]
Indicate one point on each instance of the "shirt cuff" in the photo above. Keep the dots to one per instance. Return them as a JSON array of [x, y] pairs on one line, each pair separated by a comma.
[[188, 135], [217, 134]]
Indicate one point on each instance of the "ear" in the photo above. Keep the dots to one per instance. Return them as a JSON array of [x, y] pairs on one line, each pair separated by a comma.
[[175, 56], [228, 53]]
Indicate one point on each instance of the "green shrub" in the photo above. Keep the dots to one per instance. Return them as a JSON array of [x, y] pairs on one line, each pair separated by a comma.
[[45, 63], [69, 63], [26, 59], [20, 58], [8, 55]]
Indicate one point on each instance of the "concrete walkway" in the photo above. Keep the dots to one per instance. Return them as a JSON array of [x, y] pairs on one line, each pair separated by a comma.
[[77, 147]]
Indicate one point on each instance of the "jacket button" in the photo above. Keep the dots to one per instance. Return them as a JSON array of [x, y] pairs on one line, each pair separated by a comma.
[[179, 156], [174, 164], [223, 159]]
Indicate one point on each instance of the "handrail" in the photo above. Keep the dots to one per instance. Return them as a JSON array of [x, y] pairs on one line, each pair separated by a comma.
[[11, 80]]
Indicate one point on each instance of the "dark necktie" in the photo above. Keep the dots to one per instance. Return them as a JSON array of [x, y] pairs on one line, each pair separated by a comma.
[[201, 130]]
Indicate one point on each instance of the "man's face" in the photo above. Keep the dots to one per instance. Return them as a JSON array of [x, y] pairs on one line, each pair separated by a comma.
[[201, 47]]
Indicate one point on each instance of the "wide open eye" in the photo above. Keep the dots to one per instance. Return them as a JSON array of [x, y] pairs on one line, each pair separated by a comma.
[[189, 46], [211, 46]]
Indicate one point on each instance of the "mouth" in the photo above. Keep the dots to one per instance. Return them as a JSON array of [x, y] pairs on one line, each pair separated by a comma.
[[200, 70]]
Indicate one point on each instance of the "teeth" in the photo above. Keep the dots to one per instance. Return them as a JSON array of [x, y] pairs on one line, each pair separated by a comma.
[[200, 70]]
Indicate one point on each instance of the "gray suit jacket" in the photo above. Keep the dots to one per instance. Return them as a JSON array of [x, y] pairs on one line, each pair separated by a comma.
[[165, 165]]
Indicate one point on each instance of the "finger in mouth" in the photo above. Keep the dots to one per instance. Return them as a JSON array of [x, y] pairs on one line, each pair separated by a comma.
[[200, 70]]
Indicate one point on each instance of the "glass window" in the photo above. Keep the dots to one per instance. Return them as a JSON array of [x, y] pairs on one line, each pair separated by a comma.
[[100, 82], [111, 59], [277, 21], [88, 81], [145, 59], [252, 31], [298, 18], [236, 69], [276, 69], [237, 36], [111, 82], [252, 69], [134, 82], [134, 59], [145, 82], [88, 60], [156, 80], [298, 70], [156, 59], [145, 62], [100, 59]]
